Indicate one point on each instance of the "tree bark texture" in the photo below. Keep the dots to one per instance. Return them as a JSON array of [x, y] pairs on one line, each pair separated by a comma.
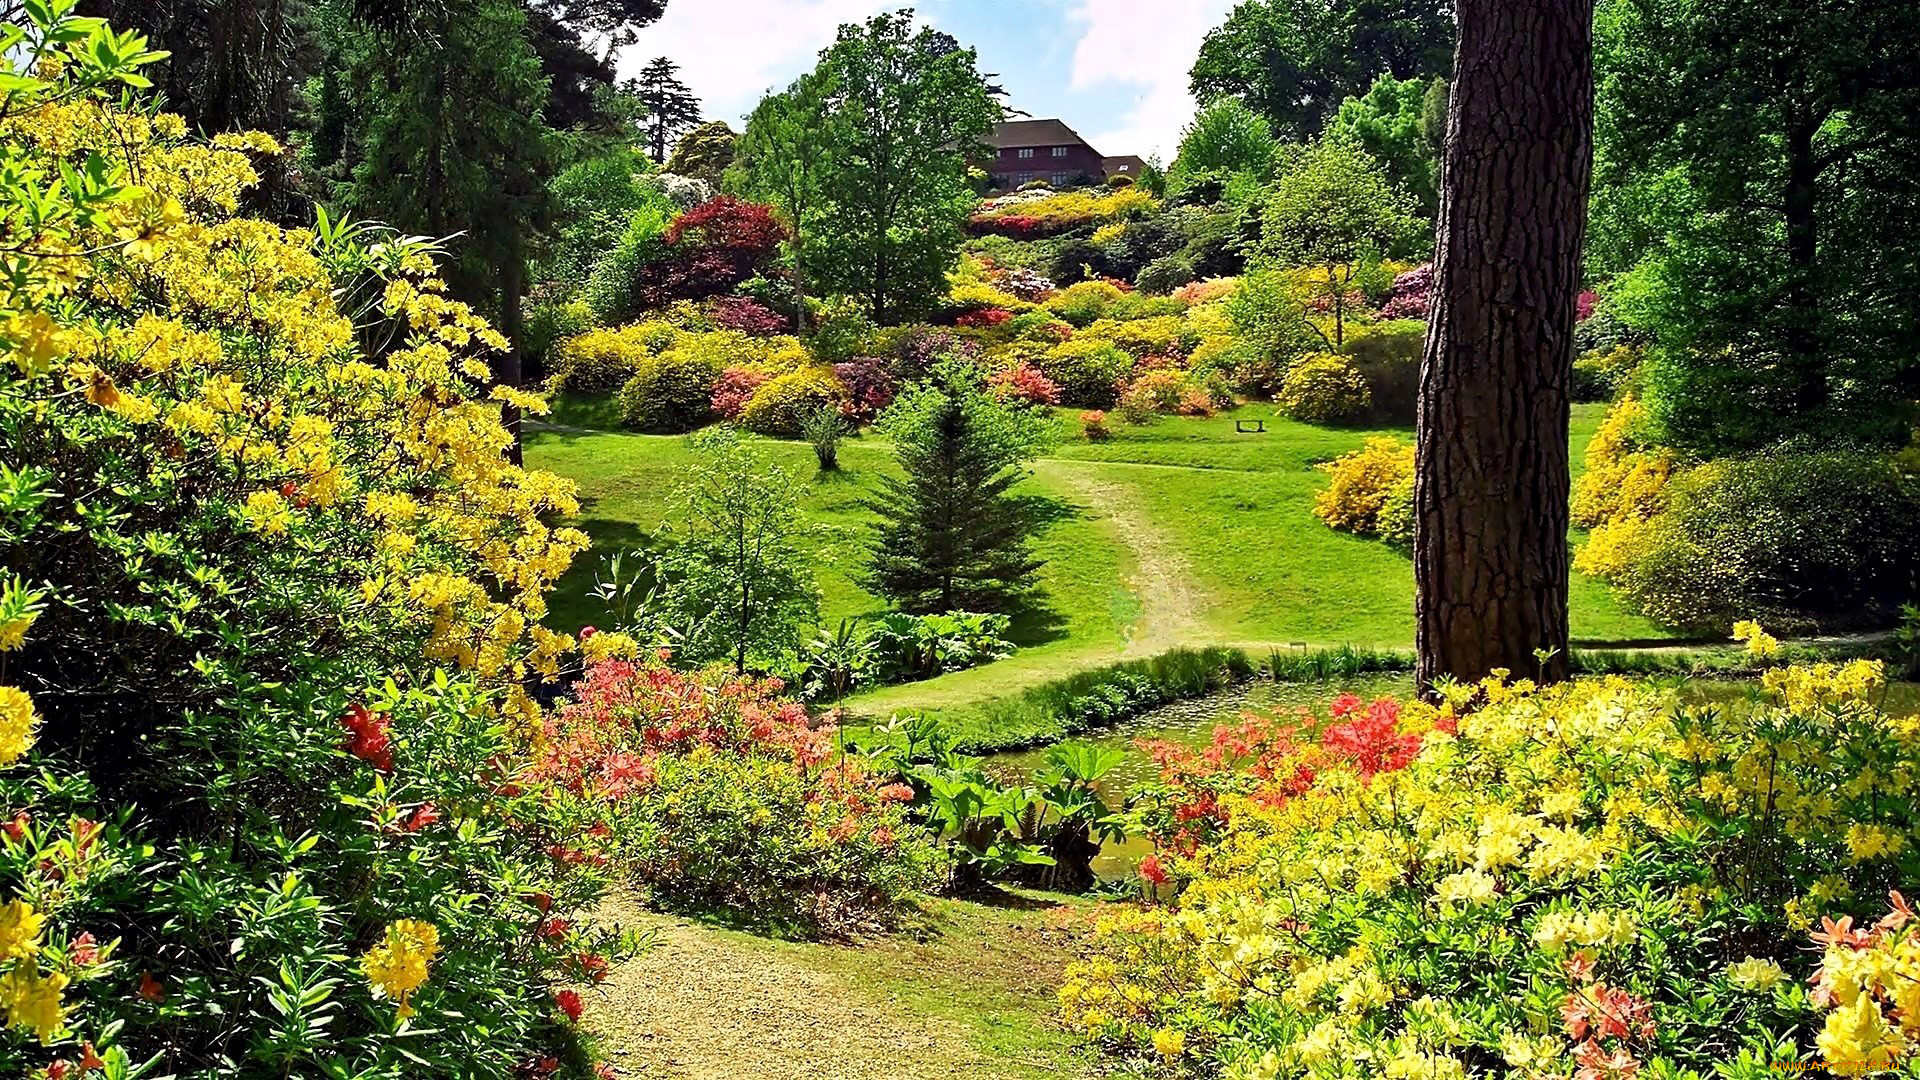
[[1490, 533]]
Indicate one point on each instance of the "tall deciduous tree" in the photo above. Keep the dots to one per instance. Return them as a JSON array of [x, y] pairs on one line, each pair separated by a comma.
[[781, 159], [1759, 182], [670, 106], [1332, 208], [910, 110], [951, 537], [1490, 493], [1295, 61]]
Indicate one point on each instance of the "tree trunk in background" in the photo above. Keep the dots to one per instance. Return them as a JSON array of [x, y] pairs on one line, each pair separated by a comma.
[[1490, 534]]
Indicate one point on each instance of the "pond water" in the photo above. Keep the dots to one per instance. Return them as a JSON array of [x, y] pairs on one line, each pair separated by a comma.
[[1191, 723]]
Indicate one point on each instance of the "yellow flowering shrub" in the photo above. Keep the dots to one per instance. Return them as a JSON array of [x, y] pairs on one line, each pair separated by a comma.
[[1592, 878], [276, 588], [1323, 388], [1362, 482]]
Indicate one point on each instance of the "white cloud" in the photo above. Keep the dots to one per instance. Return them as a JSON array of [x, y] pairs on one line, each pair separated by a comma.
[[731, 52], [1144, 49]]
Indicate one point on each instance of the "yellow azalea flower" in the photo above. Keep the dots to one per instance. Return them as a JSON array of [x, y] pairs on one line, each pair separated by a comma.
[[1858, 1036], [1466, 887], [267, 512], [1752, 974], [13, 632], [19, 930], [399, 964], [1760, 644], [17, 721], [1169, 1043], [33, 1001]]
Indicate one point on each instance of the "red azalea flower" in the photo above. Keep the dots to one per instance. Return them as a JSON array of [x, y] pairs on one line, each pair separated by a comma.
[[85, 951], [368, 736], [555, 928], [57, 1070], [17, 828], [1152, 871], [150, 988], [592, 965], [569, 1002], [89, 1060], [423, 817], [587, 632], [543, 901]]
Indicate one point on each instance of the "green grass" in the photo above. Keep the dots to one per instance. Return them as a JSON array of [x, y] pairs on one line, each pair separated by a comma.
[[1236, 509]]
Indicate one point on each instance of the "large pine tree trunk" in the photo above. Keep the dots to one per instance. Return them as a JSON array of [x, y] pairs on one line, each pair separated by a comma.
[[1490, 537]]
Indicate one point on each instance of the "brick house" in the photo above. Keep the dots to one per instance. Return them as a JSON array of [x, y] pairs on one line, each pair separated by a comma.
[[1027, 150]]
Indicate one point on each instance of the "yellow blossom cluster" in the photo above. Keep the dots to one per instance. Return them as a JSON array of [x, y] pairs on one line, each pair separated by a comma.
[[1503, 839], [399, 963]]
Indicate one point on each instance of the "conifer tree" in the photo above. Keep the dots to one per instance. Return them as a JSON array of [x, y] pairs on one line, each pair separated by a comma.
[[951, 536], [670, 105]]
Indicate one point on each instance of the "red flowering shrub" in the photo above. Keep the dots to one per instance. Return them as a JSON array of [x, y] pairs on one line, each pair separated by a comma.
[[710, 249], [734, 388], [1583, 305], [747, 315], [1023, 382], [870, 387], [983, 318], [729, 798], [1271, 758]]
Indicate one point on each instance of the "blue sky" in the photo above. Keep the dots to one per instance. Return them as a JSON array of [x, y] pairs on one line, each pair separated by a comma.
[[1114, 70]]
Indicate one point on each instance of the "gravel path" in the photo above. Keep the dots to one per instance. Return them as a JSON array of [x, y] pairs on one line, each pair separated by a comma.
[[707, 1005]]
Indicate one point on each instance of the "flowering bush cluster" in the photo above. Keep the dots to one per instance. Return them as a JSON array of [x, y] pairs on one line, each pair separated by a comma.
[[277, 592], [1324, 387], [731, 800], [1044, 213], [1801, 536], [1589, 880], [1370, 491]]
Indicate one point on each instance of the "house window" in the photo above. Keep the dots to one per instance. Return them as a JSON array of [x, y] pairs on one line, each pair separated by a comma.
[[1023, 178], [1061, 179], [1027, 153], [1059, 151]]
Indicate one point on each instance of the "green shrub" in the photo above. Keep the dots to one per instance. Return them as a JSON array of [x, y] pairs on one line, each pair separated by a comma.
[[1387, 355], [1165, 274], [907, 647], [1323, 388], [613, 288], [670, 392], [1789, 536], [782, 404], [1083, 303], [1139, 305], [732, 802], [549, 324], [1088, 371]]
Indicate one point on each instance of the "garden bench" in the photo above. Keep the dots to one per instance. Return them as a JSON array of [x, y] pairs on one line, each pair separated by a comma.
[[1259, 427]]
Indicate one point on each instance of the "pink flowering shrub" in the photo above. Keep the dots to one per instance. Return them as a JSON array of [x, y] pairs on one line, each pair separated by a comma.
[[726, 798], [1411, 296], [1024, 383], [734, 388], [870, 385]]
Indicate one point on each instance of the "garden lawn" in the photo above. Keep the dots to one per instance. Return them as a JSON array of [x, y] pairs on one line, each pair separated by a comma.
[[1179, 532]]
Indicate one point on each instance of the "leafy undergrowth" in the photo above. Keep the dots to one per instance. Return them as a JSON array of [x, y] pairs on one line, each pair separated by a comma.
[[970, 994]]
